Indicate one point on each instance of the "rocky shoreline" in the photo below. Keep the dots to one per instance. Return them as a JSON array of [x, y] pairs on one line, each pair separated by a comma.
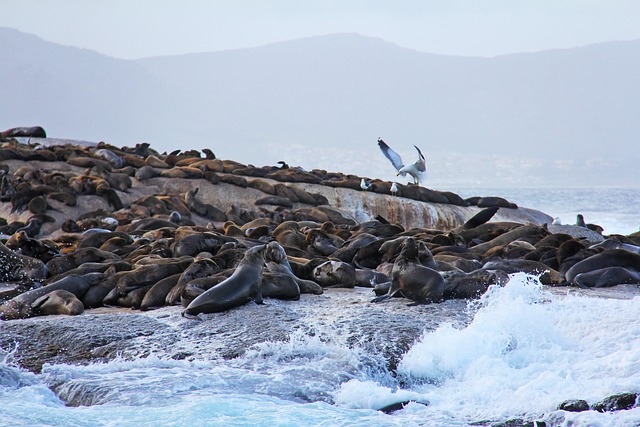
[[115, 216]]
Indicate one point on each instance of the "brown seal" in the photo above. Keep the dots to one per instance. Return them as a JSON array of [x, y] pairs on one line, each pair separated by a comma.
[[242, 287], [416, 282]]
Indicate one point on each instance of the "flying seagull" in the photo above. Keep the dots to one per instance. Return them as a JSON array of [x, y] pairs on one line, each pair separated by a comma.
[[416, 170]]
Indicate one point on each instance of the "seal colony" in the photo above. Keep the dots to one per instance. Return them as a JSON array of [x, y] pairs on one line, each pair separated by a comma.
[[131, 227]]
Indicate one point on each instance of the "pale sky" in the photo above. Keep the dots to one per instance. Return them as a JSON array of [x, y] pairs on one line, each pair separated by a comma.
[[133, 29]]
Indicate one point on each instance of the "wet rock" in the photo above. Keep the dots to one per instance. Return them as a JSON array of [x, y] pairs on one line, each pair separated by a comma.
[[616, 402], [574, 405]]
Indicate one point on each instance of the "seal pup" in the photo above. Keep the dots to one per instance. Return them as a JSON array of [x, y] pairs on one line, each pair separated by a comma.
[[416, 282], [241, 287], [417, 170]]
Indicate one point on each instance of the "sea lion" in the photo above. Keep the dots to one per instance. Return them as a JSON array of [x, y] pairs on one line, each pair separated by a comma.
[[368, 278], [157, 294], [279, 286], [200, 285], [59, 301], [33, 132], [144, 275], [199, 268], [277, 263], [416, 282], [114, 160], [21, 306], [335, 274], [608, 258], [606, 277], [318, 242], [242, 287], [62, 263], [508, 237], [615, 244], [460, 285], [15, 267], [548, 276]]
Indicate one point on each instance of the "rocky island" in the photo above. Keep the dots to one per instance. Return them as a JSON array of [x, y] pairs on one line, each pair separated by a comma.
[[128, 237]]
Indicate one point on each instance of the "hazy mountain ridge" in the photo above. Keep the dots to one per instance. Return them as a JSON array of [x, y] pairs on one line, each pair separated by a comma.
[[531, 118]]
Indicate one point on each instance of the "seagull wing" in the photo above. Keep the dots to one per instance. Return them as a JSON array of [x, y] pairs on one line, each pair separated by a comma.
[[421, 164], [393, 157]]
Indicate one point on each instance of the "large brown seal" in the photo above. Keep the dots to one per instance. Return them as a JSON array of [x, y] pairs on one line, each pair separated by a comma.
[[416, 282], [242, 287]]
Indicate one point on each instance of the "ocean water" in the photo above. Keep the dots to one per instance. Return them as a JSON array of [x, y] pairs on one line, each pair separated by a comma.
[[526, 350], [617, 210]]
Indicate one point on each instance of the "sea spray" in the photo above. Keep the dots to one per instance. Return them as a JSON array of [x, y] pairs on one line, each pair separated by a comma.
[[525, 352]]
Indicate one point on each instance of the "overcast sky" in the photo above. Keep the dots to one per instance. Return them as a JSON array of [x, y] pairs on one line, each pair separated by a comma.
[[139, 28]]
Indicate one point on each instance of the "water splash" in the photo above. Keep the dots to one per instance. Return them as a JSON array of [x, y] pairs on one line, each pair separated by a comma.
[[525, 352]]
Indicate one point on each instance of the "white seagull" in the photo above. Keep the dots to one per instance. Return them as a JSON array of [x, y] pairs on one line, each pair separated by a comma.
[[364, 185], [394, 189], [416, 170]]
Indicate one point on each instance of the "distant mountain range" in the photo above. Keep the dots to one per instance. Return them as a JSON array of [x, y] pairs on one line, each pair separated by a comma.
[[567, 117]]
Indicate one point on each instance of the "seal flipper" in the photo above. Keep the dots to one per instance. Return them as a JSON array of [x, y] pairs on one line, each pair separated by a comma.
[[381, 298], [187, 315], [480, 218], [258, 294]]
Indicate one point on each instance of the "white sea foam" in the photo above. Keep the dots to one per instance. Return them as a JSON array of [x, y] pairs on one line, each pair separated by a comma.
[[524, 353]]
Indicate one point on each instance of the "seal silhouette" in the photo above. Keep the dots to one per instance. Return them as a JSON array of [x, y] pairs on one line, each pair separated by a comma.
[[241, 287], [416, 282]]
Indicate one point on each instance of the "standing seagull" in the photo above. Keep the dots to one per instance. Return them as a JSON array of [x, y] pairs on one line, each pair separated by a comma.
[[394, 189], [364, 185], [416, 170]]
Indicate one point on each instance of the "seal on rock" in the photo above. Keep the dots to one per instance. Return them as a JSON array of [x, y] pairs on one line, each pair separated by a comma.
[[335, 274], [606, 277], [277, 263], [416, 282], [15, 267], [21, 306], [241, 287], [608, 258], [59, 301]]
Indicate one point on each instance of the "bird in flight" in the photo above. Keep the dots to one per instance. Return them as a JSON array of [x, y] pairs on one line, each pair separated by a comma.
[[416, 170]]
